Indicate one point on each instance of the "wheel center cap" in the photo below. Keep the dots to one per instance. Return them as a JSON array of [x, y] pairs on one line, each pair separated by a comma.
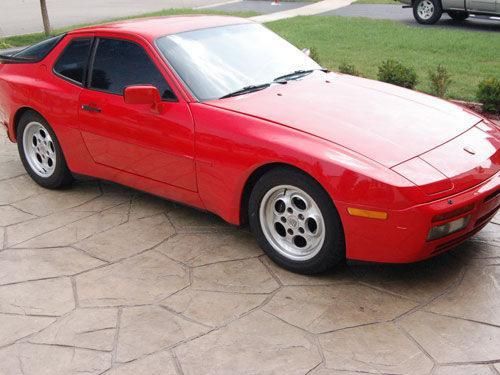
[[293, 222]]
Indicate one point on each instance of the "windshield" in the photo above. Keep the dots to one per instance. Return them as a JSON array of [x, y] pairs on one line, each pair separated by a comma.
[[218, 61]]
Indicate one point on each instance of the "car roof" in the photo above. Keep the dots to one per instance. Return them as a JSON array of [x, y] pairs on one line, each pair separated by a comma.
[[154, 27]]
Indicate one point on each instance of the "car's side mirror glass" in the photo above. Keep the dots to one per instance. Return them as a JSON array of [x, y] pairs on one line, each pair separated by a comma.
[[142, 94]]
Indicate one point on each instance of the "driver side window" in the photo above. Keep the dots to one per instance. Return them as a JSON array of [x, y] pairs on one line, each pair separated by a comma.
[[120, 63]]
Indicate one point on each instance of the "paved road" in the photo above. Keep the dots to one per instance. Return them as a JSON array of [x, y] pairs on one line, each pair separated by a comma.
[[23, 16], [261, 7], [397, 13], [268, 12]]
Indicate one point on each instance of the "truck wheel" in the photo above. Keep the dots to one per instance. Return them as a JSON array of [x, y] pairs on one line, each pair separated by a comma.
[[458, 15], [427, 12]]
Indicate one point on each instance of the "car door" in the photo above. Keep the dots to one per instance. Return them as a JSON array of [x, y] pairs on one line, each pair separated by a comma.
[[138, 139], [488, 6]]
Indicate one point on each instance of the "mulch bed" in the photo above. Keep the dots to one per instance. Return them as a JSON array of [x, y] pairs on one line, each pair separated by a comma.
[[478, 107]]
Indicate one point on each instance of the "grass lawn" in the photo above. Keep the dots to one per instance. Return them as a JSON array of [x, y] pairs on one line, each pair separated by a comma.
[[468, 56], [27, 39]]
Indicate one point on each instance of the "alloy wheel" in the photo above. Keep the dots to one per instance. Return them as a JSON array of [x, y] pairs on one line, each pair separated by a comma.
[[292, 222], [39, 149], [425, 9]]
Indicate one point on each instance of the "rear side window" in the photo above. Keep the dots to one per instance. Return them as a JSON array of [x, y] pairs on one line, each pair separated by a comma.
[[72, 64], [38, 51], [119, 63]]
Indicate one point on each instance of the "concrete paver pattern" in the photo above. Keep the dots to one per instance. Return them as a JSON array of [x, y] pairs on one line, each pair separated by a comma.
[[104, 279]]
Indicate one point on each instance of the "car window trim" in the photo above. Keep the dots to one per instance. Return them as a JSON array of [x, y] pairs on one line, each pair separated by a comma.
[[92, 61], [93, 50], [67, 79]]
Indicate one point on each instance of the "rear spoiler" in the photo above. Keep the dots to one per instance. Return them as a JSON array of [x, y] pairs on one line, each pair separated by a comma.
[[8, 56], [6, 59]]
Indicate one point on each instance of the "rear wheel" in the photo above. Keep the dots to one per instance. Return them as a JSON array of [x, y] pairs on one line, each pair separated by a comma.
[[41, 153], [295, 222], [458, 15], [427, 12]]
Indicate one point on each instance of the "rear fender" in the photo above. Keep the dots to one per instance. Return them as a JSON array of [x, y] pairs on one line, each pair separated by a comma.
[[15, 94]]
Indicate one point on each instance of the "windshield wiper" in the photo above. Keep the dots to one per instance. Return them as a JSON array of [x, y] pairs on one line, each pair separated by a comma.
[[246, 90], [296, 74]]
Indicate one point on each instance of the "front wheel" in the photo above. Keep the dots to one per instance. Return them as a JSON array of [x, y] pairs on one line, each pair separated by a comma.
[[457, 15], [427, 12], [41, 152], [295, 222]]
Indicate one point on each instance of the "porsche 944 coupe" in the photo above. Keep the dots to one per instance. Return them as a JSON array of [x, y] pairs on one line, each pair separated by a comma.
[[221, 114]]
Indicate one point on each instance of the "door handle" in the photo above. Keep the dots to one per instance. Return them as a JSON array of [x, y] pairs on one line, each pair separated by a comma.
[[89, 108]]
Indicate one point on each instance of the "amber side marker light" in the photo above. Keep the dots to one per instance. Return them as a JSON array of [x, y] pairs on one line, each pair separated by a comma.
[[367, 213]]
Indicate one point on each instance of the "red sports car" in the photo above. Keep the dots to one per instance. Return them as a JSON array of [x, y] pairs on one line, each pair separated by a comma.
[[222, 114]]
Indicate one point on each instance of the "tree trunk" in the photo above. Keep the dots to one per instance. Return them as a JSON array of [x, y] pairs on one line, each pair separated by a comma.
[[45, 17]]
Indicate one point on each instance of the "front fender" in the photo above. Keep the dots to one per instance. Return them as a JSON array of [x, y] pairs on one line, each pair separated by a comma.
[[230, 146]]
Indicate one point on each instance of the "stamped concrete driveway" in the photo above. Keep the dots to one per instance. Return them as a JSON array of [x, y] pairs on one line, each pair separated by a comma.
[[103, 279]]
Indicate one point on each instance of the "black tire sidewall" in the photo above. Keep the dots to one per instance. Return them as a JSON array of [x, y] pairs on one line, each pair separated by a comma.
[[333, 249], [438, 12], [61, 176]]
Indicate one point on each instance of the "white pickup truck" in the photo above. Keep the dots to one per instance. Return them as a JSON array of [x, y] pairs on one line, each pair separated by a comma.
[[430, 11]]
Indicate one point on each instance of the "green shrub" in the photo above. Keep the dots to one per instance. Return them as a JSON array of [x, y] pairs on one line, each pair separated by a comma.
[[488, 93], [4, 44], [440, 81], [392, 71], [350, 69]]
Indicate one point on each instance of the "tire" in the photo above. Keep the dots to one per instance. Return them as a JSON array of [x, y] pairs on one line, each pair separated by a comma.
[[317, 242], [457, 15], [41, 153], [427, 12]]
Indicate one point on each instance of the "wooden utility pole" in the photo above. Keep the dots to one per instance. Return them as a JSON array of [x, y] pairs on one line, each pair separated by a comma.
[[45, 17]]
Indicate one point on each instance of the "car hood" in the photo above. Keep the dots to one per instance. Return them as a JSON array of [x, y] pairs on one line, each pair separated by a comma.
[[386, 123]]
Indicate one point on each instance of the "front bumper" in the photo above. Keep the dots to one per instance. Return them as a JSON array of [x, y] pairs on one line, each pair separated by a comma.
[[402, 238]]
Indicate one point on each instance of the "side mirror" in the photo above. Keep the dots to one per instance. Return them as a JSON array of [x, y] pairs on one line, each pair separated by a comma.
[[307, 52], [142, 94]]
